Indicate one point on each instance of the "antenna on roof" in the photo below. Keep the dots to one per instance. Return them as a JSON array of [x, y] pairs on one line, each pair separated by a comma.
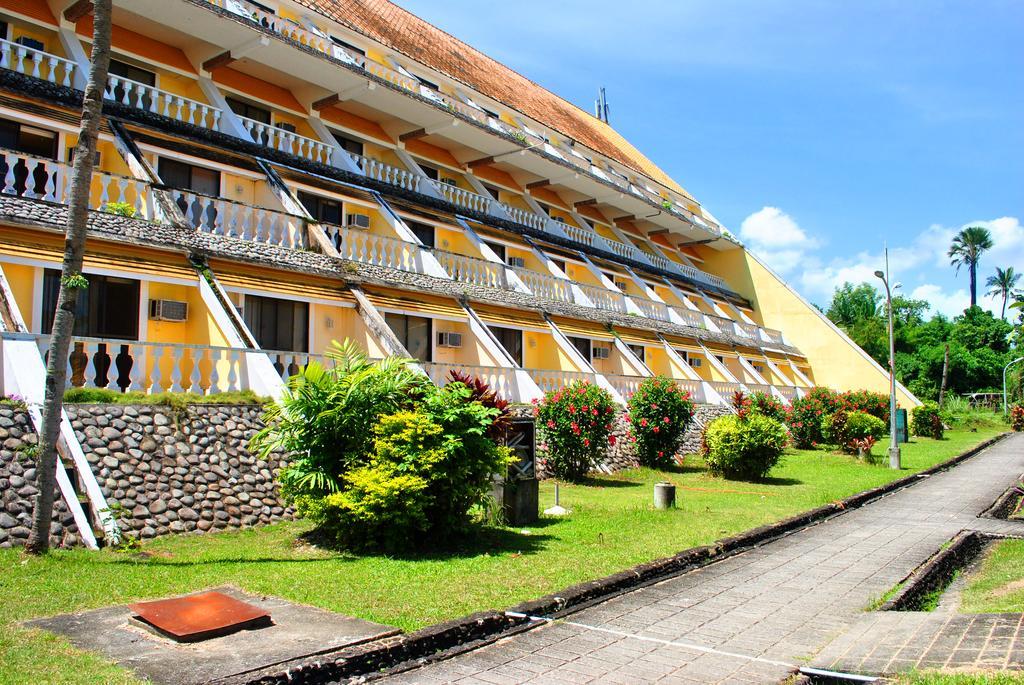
[[601, 106]]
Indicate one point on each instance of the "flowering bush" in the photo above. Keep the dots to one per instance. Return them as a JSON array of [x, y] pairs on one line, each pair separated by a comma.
[[740, 404], [768, 405], [806, 414], [926, 422], [659, 414], [874, 403], [844, 429], [863, 445], [1017, 417], [744, 448], [576, 424]]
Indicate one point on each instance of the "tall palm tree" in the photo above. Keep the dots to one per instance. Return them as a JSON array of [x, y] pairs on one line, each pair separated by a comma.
[[966, 250], [71, 280], [1003, 284]]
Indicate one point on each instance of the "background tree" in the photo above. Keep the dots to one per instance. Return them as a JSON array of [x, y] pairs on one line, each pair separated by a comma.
[[1004, 285], [966, 250], [72, 282]]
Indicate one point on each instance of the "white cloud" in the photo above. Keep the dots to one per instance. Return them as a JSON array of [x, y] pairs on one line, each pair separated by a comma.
[[777, 238], [949, 303]]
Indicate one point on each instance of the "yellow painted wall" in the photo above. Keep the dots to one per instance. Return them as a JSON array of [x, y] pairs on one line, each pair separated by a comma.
[[22, 280], [472, 350], [540, 351], [837, 361], [338, 323], [199, 329], [51, 43]]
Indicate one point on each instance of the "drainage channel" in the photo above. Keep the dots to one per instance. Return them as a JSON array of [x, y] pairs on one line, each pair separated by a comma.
[[818, 676]]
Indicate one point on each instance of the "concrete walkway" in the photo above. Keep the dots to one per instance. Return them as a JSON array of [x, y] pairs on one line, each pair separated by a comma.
[[755, 617]]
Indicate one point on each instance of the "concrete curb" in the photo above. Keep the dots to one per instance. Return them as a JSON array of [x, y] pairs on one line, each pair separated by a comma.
[[445, 640], [937, 571]]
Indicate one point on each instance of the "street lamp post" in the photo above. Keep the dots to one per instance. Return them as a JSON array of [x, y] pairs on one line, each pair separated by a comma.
[[1005, 369], [894, 445]]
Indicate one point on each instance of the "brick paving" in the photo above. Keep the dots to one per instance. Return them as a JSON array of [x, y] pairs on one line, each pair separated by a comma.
[[756, 616]]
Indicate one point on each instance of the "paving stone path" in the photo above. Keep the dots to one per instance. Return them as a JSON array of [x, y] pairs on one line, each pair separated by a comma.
[[755, 617]]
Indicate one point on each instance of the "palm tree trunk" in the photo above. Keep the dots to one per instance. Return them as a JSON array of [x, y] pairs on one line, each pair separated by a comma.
[[974, 283], [1006, 295], [71, 281]]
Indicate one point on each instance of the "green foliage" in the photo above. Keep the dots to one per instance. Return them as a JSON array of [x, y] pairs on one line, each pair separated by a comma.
[[576, 424], [768, 405], [926, 421], [120, 209], [325, 418], [851, 430], [74, 281], [13, 401], [806, 414], [860, 425], [745, 449], [1017, 417], [659, 414], [874, 403], [176, 400]]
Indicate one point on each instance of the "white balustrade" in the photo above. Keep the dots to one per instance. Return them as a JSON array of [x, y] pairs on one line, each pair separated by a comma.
[[288, 363], [790, 393], [525, 217], [284, 27], [695, 388], [151, 99], [545, 285], [759, 387], [237, 220], [553, 379], [621, 249], [726, 389], [690, 317], [651, 308], [502, 380], [625, 385], [386, 173], [128, 365], [774, 335], [369, 248], [392, 76], [45, 179], [287, 141], [473, 270], [748, 329], [602, 298], [464, 198], [581, 235], [36, 63]]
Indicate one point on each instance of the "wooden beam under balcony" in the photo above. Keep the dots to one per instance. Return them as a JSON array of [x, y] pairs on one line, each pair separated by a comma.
[[627, 217], [413, 135], [483, 161], [78, 10], [538, 184], [686, 243], [658, 231], [218, 61], [343, 95], [584, 203]]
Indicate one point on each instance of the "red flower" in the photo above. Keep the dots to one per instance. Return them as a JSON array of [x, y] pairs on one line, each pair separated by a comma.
[[666, 420], [643, 422], [572, 408], [611, 439], [594, 412], [656, 429], [661, 454], [586, 442], [551, 424]]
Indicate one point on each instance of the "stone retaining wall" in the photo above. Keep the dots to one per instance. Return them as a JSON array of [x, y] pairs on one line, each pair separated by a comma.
[[162, 470]]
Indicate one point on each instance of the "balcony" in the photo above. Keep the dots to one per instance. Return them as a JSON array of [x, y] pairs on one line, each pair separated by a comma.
[[545, 285], [690, 317], [552, 379], [602, 298], [148, 98], [37, 63], [288, 142], [246, 222], [651, 308], [377, 250], [473, 270], [500, 379], [385, 173]]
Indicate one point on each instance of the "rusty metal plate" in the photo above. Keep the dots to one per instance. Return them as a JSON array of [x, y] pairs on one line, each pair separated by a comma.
[[199, 617]]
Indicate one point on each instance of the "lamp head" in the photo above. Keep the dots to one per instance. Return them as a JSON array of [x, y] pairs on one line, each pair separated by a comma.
[[879, 274]]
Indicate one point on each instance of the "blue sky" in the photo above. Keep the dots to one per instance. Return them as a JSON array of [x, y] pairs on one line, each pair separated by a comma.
[[815, 130]]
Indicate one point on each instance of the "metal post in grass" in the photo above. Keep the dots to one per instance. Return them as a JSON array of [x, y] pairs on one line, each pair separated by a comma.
[[1005, 369], [558, 509], [894, 445]]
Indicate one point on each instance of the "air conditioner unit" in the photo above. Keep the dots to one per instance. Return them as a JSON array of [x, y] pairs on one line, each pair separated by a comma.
[[600, 352], [449, 181], [621, 285], [694, 361], [357, 220], [448, 339], [168, 310], [517, 261]]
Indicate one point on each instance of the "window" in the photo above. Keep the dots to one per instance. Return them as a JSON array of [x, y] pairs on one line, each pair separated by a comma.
[[348, 144], [277, 324], [546, 210], [348, 46], [196, 179], [108, 308], [31, 43], [244, 109], [425, 82], [583, 345], [639, 351], [425, 232], [560, 263], [498, 248], [430, 172], [131, 95], [322, 208], [492, 191], [414, 332], [285, 126], [32, 141], [720, 358], [3, 30], [511, 340]]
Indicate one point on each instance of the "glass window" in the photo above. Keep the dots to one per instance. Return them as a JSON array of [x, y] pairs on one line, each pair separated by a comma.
[[347, 46], [494, 192], [348, 144], [189, 177], [425, 232], [130, 71], [277, 324], [639, 351], [32, 141], [581, 344], [498, 248], [560, 263], [108, 308], [414, 332], [322, 208], [244, 109], [512, 340], [430, 172]]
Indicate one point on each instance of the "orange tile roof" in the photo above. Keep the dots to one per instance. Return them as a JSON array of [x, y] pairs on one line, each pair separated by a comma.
[[413, 37]]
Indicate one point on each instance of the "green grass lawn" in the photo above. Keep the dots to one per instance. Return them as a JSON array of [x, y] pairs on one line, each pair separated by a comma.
[[613, 526], [998, 585], [945, 678]]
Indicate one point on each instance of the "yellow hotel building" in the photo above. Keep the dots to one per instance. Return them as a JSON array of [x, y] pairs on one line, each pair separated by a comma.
[[273, 176]]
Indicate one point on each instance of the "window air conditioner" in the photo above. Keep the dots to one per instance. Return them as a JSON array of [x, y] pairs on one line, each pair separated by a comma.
[[517, 261], [168, 310], [357, 220], [695, 361], [600, 352], [448, 339], [621, 285]]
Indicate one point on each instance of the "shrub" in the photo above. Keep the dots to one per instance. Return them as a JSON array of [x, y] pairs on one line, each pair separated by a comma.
[[659, 414], [576, 423], [768, 405], [481, 392], [120, 209], [848, 430], [926, 421], [1017, 417], [177, 400], [874, 403], [13, 401], [744, 448], [740, 403], [806, 413]]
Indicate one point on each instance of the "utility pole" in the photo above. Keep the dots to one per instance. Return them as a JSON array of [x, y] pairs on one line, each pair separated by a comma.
[[945, 375], [894, 445]]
